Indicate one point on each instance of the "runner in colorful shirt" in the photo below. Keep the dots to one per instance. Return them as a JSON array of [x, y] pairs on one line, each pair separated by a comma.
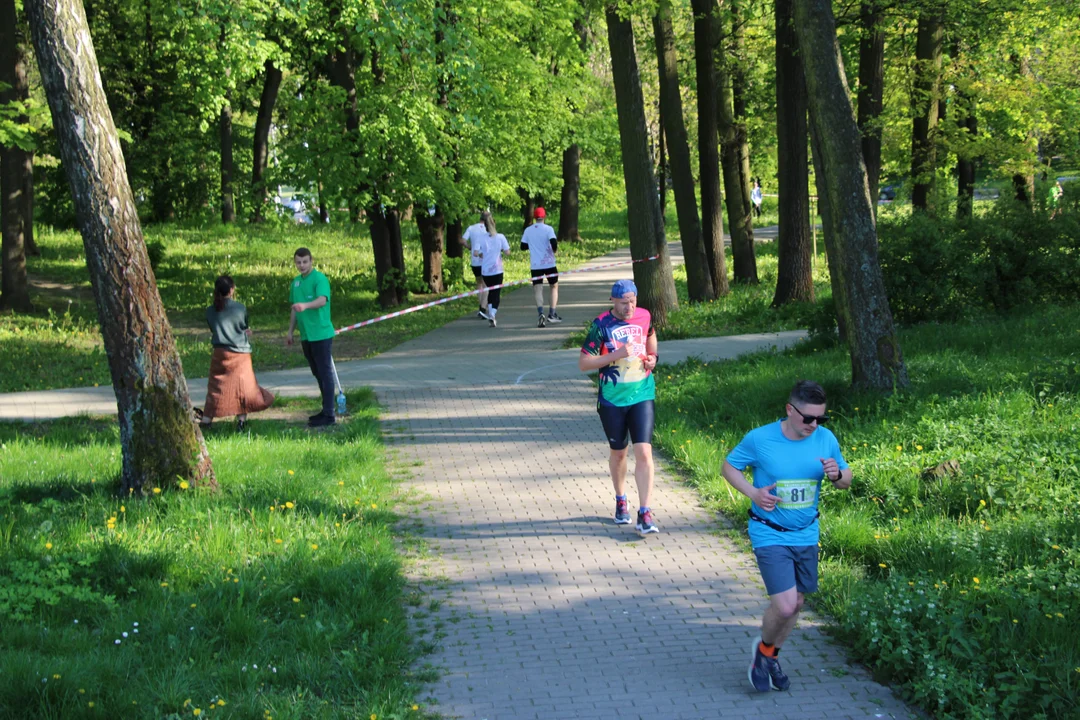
[[790, 458], [622, 346]]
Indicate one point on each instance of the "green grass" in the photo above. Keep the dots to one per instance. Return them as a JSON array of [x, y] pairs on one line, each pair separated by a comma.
[[961, 589], [281, 595], [60, 346]]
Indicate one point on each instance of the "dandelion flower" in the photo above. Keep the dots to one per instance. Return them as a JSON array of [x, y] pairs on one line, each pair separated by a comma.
[[289, 505], [918, 447], [196, 712], [90, 704], [123, 509], [882, 565], [164, 584], [291, 472], [982, 503], [373, 506], [55, 677], [157, 491], [899, 447], [314, 546], [341, 482], [221, 703], [417, 707], [1053, 546], [1015, 621], [975, 580], [194, 605], [184, 485], [278, 540], [82, 691], [296, 599], [374, 716], [48, 546]]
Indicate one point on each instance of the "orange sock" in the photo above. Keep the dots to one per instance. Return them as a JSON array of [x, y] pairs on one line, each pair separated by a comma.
[[767, 650]]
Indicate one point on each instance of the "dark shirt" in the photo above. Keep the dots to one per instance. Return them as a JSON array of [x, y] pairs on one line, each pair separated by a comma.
[[227, 327]]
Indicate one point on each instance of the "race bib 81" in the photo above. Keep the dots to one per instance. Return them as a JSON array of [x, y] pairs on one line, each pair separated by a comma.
[[797, 494]]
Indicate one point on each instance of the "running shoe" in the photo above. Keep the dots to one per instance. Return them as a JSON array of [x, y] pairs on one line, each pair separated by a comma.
[[553, 317], [645, 524], [622, 513], [777, 679], [541, 321], [481, 314], [759, 669], [491, 322], [321, 421]]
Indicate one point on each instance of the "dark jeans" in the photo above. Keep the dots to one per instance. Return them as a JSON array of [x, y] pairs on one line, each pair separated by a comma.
[[319, 359]]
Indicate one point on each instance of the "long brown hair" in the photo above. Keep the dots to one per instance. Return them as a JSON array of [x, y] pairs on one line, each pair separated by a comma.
[[222, 287]]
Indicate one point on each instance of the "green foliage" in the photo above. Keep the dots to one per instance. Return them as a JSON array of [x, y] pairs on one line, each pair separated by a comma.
[[944, 270], [950, 567], [282, 594]]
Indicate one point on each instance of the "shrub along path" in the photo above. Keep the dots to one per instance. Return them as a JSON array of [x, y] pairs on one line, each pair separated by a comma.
[[552, 610]]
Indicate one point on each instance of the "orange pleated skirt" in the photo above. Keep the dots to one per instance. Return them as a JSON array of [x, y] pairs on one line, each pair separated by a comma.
[[231, 388]]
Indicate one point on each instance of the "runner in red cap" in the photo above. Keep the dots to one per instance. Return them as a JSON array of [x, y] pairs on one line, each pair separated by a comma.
[[539, 239]]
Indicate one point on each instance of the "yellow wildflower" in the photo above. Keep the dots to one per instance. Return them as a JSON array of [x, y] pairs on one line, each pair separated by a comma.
[[184, 485], [289, 505], [882, 565], [48, 546], [291, 472]]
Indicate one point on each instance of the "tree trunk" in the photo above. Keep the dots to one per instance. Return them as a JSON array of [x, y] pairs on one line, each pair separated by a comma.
[[832, 245], [871, 91], [965, 165], [712, 224], [876, 359], [745, 258], [924, 107], [261, 145], [528, 207], [656, 286], [397, 254], [569, 208], [662, 170], [454, 242], [698, 280], [14, 287], [432, 231], [160, 445], [30, 246], [794, 279], [384, 258], [228, 209]]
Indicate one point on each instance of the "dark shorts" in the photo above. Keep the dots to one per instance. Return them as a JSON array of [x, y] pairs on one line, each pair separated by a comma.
[[784, 567], [636, 420], [537, 275], [476, 272]]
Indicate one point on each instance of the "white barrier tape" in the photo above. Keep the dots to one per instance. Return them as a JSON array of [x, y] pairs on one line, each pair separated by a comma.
[[459, 296]]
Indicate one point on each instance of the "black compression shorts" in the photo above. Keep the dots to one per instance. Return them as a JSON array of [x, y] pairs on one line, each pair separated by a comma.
[[637, 420], [538, 273]]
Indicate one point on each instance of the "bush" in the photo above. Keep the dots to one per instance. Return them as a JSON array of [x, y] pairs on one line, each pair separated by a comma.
[[948, 270]]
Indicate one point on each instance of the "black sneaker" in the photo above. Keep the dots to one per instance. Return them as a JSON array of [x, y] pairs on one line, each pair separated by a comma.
[[541, 321], [645, 524], [241, 425], [321, 421], [759, 669], [481, 314], [777, 679], [316, 416], [553, 317], [622, 513]]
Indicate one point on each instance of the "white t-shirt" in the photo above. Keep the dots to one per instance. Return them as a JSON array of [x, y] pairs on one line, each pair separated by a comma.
[[492, 247], [473, 236], [538, 237]]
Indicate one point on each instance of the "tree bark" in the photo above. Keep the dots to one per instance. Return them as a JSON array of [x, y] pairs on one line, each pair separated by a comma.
[[261, 145], [569, 207], [871, 91], [160, 445], [228, 209], [384, 258], [397, 253], [673, 129], [876, 360], [454, 244], [14, 286], [662, 169], [744, 258], [528, 207], [432, 229], [965, 166], [712, 223], [924, 101], [656, 286], [794, 280], [828, 236]]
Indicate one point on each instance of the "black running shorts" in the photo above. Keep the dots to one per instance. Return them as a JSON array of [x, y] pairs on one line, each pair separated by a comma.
[[637, 420]]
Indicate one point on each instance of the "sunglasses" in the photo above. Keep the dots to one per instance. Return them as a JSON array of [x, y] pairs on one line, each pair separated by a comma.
[[819, 419]]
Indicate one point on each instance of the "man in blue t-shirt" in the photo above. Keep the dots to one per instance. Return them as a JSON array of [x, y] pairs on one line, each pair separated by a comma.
[[790, 458]]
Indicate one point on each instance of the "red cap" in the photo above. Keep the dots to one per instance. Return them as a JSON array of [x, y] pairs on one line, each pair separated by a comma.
[[539, 213]]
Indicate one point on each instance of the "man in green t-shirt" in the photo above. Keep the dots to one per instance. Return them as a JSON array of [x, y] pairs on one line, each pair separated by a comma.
[[309, 296]]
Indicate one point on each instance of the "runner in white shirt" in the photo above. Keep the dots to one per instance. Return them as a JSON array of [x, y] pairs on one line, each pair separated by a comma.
[[472, 238], [539, 239], [491, 249]]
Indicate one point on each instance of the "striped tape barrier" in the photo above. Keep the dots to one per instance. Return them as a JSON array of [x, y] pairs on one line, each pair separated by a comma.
[[459, 296]]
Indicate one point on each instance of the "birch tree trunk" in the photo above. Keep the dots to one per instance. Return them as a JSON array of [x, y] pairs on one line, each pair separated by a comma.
[[160, 445]]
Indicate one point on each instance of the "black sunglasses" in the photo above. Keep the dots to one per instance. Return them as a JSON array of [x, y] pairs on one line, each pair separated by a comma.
[[819, 419]]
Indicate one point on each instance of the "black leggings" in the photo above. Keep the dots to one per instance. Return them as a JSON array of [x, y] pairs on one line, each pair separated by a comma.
[[493, 295], [637, 420]]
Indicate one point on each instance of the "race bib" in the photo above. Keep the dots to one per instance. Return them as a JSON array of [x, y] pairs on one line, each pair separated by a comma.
[[797, 494]]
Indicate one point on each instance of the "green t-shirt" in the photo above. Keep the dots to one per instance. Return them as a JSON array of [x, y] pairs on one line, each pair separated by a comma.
[[313, 324]]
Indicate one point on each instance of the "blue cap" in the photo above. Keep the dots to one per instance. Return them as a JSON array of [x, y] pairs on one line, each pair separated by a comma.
[[622, 287]]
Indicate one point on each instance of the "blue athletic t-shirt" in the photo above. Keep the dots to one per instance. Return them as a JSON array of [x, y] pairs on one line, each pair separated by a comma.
[[795, 467]]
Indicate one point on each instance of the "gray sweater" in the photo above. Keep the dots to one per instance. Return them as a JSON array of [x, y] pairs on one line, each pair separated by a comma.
[[227, 327]]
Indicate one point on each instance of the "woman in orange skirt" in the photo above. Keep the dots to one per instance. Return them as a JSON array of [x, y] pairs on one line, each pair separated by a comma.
[[231, 388]]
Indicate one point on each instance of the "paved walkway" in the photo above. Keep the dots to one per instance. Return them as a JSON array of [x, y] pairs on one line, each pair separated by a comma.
[[552, 611]]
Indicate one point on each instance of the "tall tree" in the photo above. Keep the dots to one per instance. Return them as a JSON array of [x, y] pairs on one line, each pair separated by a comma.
[[160, 445], [871, 90], [432, 227], [876, 359], [569, 205], [743, 255], [925, 108], [261, 142], [794, 279], [14, 166], [712, 224], [698, 281], [656, 286]]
